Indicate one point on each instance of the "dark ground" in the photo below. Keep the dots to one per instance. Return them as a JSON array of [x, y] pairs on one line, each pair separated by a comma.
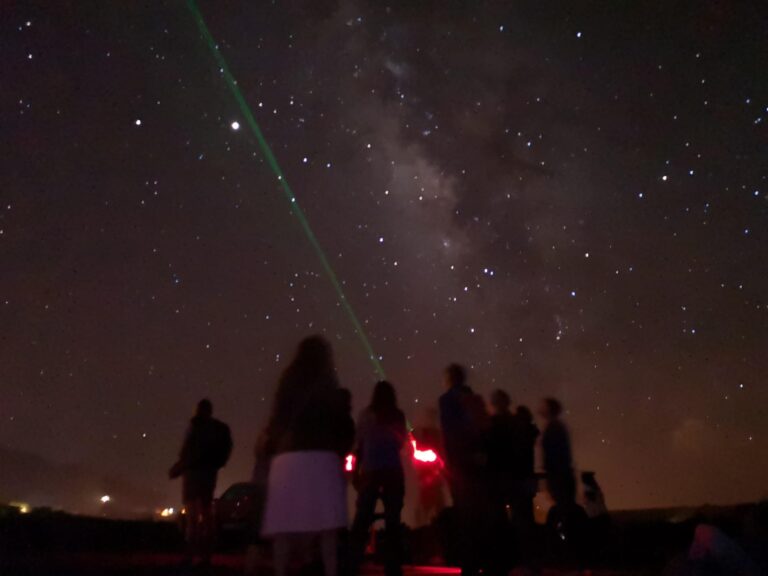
[[638, 543]]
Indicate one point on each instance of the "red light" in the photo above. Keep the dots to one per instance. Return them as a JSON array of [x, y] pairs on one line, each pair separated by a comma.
[[427, 456]]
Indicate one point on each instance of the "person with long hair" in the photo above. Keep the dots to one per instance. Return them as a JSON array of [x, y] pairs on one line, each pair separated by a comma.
[[381, 434], [309, 432]]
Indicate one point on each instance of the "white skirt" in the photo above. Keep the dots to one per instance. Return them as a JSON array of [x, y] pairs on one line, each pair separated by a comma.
[[306, 492]]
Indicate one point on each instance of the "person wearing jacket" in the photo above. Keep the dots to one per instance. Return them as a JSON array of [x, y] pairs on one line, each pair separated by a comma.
[[207, 447]]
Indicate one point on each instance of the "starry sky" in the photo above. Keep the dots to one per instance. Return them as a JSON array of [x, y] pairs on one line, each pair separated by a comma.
[[570, 198]]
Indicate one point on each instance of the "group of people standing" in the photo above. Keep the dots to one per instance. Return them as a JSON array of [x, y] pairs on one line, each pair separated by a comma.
[[489, 466], [309, 434]]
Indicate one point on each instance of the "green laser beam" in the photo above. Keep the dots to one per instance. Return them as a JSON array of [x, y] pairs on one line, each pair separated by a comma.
[[272, 161]]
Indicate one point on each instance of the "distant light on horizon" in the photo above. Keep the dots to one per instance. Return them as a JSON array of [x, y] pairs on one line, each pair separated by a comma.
[[105, 499], [22, 507]]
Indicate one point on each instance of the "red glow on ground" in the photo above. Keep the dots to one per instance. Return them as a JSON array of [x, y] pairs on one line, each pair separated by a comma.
[[436, 570]]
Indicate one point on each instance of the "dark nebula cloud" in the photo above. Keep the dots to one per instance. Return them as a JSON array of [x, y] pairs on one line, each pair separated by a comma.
[[570, 198]]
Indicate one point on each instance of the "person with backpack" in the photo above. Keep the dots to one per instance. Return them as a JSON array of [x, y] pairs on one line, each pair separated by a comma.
[[206, 449]]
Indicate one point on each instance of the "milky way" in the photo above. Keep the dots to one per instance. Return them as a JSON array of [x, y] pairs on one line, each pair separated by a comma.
[[571, 200]]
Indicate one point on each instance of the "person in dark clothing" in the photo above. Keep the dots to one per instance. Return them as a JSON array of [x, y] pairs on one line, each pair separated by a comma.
[[381, 435], [455, 423], [207, 447], [502, 442], [464, 422], [524, 484], [558, 461], [566, 521]]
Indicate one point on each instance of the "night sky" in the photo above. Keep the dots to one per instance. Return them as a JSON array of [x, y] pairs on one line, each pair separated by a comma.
[[571, 198]]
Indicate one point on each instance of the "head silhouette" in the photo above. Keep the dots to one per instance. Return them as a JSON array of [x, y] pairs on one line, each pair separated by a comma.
[[550, 409], [384, 397], [500, 401], [384, 400], [204, 408], [455, 375], [311, 374], [524, 414], [314, 355]]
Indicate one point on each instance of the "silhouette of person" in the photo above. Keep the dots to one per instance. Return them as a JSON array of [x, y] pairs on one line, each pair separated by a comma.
[[456, 423], [431, 499], [381, 434], [464, 422], [502, 442], [558, 460], [526, 433], [566, 520], [207, 447], [309, 432], [523, 485]]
